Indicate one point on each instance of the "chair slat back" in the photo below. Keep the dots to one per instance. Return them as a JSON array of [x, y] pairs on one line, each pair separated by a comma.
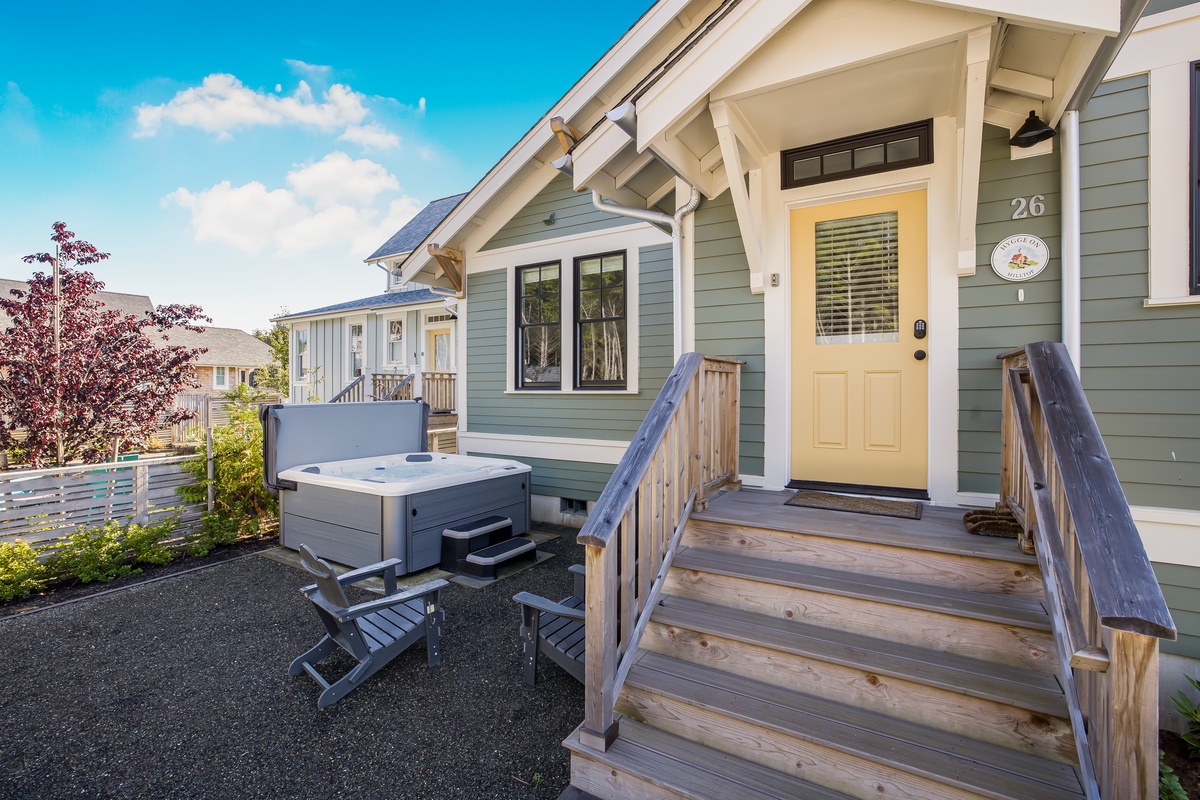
[[326, 578]]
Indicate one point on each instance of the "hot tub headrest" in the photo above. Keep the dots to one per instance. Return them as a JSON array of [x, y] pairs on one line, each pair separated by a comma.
[[310, 433]]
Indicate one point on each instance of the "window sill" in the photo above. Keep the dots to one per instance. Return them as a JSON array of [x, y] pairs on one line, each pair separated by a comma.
[[570, 392], [1186, 300]]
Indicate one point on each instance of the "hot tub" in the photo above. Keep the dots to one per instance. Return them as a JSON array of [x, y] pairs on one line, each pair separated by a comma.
[[363, 510], [352, 485]]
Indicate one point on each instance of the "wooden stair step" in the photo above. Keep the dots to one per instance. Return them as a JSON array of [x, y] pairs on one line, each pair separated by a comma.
[[898, 745], [682, 768], [999, 609], [938, 530], [989, 680]]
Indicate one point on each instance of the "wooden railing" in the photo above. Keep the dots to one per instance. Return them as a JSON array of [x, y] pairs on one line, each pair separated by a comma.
[[355, 391], [1106, 605], [438, 390], [686, 448], [391, 386]]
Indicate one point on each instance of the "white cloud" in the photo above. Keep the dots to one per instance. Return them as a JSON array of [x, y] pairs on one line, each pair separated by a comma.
[[371, 137], [222, 104], [334, 202], [336, 178], [18, 117], [304, 68], [244, 217]]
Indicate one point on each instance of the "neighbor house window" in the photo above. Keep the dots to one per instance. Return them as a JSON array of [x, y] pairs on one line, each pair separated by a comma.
[[863, 154], [300, 354], [220, 379], [539, 326], [356, 349], [600, 334], [395, 341]]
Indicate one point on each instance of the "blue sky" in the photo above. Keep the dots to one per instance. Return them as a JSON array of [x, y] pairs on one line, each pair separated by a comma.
[[248, 156]]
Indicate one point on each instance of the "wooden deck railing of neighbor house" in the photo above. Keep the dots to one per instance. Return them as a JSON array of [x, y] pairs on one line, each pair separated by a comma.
[[438, 390], [686, 448], [391, 386], [1106, 605], [355, 391]]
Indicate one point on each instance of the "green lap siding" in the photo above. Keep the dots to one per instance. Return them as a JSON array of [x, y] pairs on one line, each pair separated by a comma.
[[729, 319], [992, 318], [578, 480], [1140, 366], [579, 415], [573, 213], [1180, 588]]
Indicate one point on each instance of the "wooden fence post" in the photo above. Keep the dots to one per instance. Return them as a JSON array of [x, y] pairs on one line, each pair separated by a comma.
[[208, 440], [141, 494]]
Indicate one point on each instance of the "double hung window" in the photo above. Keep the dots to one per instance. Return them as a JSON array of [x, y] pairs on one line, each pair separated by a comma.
[[597, 338]]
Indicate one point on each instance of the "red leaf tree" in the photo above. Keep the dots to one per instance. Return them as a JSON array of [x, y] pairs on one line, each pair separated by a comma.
[[78, 377]]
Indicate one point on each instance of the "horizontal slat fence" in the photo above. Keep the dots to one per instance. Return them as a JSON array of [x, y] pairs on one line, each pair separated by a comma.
[[46, 505]]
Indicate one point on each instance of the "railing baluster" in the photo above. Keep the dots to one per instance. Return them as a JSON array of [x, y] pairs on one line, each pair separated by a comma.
[[635, 527]]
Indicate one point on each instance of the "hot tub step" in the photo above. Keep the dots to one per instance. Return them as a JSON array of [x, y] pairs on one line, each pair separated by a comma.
[[466, 538], [483, 563]]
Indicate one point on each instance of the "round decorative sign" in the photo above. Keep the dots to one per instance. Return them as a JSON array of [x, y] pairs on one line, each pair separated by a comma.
[[1020, 257]]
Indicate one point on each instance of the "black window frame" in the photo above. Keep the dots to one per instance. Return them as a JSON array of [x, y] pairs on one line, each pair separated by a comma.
[[519, 368], [1194, 193], [578, 322], [923, 131]]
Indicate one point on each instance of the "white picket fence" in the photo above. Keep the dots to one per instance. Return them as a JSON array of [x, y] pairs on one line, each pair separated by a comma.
[[44, 505]]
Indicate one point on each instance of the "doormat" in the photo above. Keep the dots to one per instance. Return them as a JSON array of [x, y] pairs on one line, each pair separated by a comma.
[[857, 505], [993, 522]]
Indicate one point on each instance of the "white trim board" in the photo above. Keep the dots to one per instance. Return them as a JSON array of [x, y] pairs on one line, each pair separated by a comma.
[[596, 451], [1163, 46]]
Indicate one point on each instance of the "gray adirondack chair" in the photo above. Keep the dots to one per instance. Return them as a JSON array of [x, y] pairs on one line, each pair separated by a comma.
[[555, 629], [374, 632]]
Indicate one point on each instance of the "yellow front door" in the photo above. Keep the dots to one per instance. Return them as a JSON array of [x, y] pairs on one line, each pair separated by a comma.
[[859, 369]]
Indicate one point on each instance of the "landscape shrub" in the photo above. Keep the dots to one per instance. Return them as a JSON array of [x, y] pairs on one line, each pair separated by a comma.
[[239, 497], [21, 572], [91, 554]]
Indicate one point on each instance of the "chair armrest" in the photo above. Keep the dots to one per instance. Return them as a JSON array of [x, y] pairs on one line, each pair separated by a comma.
[[578, 579], [362, 609], [369, 571], [542, 604]]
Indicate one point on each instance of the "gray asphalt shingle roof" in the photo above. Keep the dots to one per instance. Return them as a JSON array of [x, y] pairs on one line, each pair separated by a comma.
[[229, 347], [411, 235], [386, 300]]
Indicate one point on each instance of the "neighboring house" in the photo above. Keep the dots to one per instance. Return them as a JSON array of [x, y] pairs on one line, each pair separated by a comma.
[[374, 341], [856, 184], [232, 355]]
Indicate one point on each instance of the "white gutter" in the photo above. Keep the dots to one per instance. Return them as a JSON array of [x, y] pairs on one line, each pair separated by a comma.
[[1072, 266], [676, 224]]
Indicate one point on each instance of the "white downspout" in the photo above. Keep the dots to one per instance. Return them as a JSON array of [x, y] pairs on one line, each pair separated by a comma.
[[676, 224], [1072, 269]]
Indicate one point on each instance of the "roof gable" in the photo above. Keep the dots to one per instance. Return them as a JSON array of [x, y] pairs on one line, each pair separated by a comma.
[[414, 232]]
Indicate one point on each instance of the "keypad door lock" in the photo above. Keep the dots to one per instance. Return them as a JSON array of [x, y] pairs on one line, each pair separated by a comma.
[[919, 329]]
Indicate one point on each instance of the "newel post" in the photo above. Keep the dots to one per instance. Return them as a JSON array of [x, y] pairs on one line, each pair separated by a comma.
[[599, 728], [1133, 737]]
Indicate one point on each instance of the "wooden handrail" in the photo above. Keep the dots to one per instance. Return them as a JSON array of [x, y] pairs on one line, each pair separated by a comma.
[[1107, 609], [352, 393], [385, 386], [685, 448], [438, 389]]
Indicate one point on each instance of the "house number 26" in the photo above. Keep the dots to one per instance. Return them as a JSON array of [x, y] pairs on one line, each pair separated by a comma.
[[1033, 207]]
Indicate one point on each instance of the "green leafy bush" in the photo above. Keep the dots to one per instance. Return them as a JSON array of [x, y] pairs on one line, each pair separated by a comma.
[[1169, 787], [215, 530], [91, 554], [21, 572], [147, 543], [239, 497], [1191, 712]]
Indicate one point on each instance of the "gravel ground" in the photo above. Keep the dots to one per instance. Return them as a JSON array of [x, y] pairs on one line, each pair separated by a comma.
[[178, 688]]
